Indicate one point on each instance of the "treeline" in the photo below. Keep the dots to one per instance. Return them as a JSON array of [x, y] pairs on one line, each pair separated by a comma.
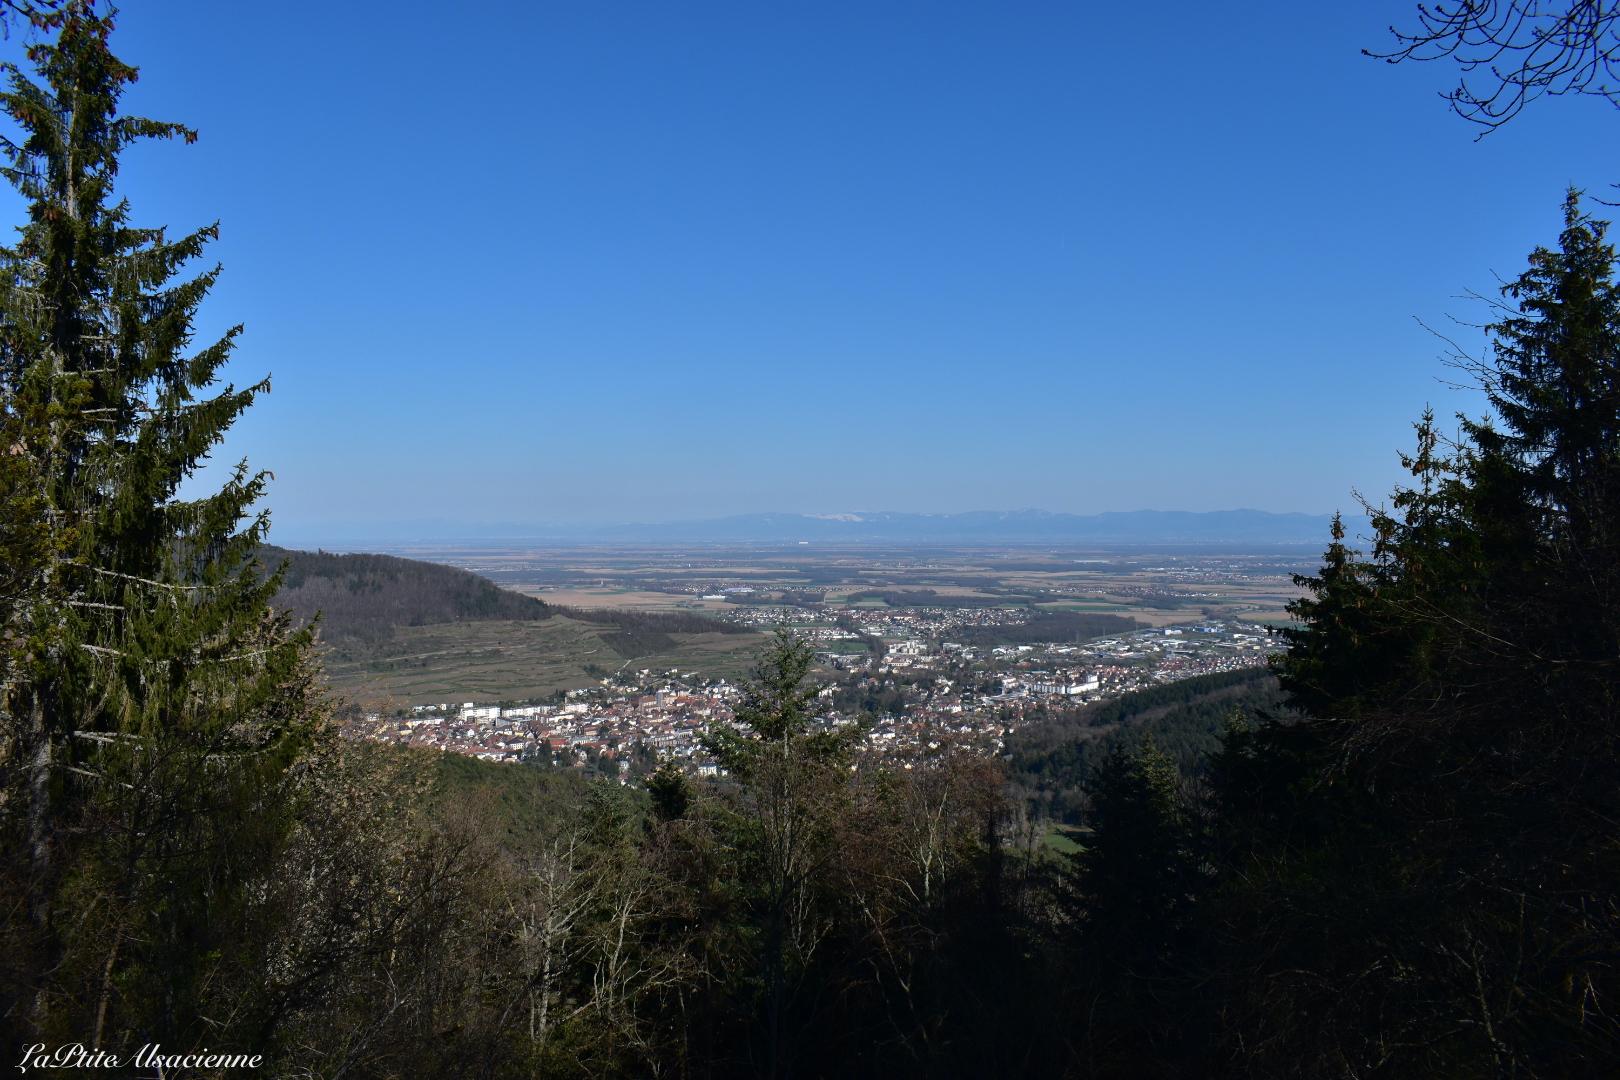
[[368, 597], [782, 597], [931, 598], [652, 622], [1417, 871], [1161, 601], [646, 633]]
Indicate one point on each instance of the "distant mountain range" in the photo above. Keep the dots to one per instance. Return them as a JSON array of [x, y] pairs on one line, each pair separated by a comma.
[[987, 526]]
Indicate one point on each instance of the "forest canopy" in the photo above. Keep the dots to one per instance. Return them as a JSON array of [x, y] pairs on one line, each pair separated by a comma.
[[369, 596]]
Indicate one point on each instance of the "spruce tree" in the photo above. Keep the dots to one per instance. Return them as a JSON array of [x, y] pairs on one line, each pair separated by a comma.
[[671, 794], [1138, 879], [779, 823], [152, 699], [1136, 867], [1427, 866]]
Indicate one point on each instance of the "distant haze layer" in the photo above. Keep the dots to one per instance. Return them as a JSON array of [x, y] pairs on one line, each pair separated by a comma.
[[988, 526]]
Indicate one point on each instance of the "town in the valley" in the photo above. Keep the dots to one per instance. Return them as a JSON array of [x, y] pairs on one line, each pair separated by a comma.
[[899, 673]]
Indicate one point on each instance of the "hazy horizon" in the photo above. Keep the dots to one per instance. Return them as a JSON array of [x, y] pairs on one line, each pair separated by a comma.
[[1025, 526]]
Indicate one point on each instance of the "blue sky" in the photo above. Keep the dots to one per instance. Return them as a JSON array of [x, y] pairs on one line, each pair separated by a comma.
[[607, 261]]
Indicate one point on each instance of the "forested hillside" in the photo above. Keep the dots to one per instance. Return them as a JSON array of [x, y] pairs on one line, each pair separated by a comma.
[[1054, 763], [403, 630], [368, 597]]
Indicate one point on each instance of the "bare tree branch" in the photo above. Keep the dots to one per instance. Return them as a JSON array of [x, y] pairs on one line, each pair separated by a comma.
[[1516, 51]]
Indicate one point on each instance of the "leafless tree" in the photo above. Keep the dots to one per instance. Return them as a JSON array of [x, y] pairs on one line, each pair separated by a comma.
[[1514, 51]]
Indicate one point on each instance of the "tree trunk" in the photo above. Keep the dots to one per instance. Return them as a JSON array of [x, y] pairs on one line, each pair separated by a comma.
[[39, 809]]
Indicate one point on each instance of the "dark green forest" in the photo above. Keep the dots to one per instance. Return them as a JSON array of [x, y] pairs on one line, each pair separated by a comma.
[[1048, 626], [1055, 763], [1401, 860], [931, 598], [364, 599]]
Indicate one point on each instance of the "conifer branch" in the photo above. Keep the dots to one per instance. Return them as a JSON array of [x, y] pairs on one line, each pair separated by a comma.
[[143, 581], [104, 736]]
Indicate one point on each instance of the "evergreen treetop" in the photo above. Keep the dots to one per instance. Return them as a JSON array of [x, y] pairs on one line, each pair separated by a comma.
[[153, 701], [1438, 832]]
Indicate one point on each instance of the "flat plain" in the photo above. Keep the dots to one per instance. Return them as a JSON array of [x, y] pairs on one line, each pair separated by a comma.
[[1153, 585], [497, 661]]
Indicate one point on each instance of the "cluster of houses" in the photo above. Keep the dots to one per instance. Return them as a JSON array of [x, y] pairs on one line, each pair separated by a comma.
[[603, 728], [957, 696]]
